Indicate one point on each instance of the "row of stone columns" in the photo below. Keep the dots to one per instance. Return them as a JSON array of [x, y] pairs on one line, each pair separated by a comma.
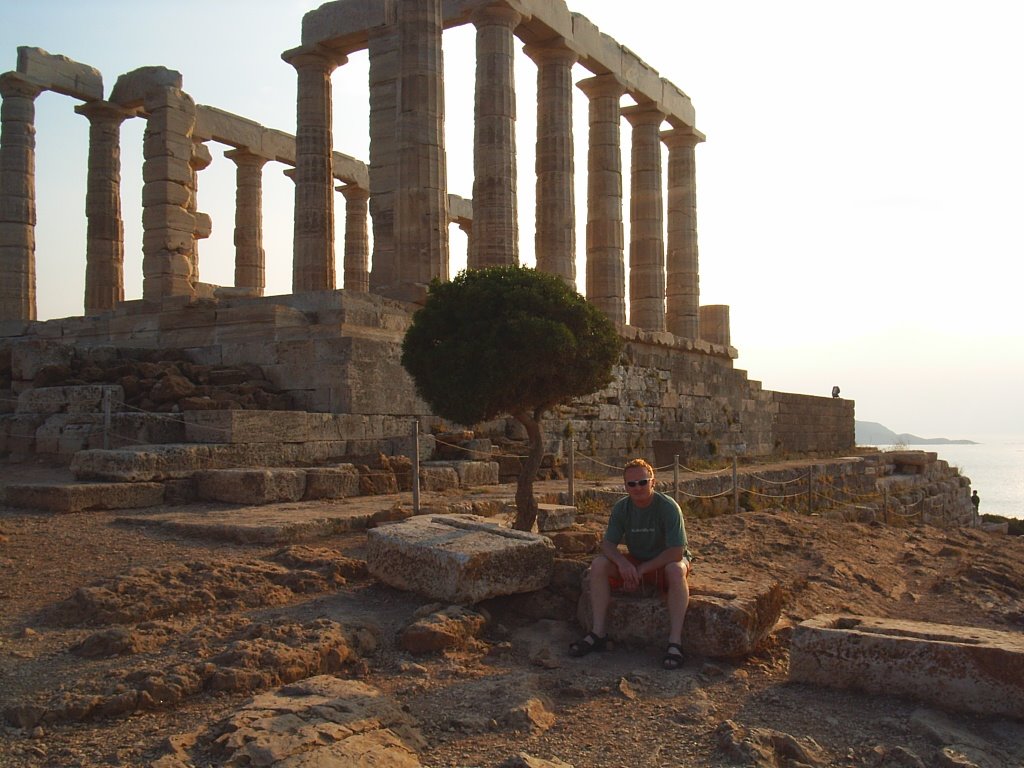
[[410, 245]]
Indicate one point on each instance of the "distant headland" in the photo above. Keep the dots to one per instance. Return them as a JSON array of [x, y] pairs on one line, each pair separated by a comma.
[[873, 433]]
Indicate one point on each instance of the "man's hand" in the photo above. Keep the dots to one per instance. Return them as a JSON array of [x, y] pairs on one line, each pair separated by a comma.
[[629, 574]]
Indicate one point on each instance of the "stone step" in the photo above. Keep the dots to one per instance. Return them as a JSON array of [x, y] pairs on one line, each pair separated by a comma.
[[77, 497], [459, 559], [969, 668], [727, 617]]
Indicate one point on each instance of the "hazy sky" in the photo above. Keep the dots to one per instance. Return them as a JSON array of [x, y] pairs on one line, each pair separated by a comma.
[[860, 192]]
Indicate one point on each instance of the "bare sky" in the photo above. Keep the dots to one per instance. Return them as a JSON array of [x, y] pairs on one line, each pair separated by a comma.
[[859, 193]]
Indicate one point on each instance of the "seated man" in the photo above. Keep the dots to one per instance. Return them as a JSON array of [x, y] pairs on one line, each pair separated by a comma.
[[651, 524]]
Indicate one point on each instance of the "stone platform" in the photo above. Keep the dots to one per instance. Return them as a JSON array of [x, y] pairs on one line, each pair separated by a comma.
[[77, 497], [965, 668], [727, 617]]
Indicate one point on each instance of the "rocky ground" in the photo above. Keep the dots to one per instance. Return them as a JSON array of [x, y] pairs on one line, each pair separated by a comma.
[[125, 645]]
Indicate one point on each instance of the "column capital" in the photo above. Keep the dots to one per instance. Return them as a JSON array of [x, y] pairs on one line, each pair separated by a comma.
[[316, 58], [16, 84], [599, 86], [682, 137], [496, 14], [554, 51], [646, 113], [243, 156], [353, 194], [104, 111]]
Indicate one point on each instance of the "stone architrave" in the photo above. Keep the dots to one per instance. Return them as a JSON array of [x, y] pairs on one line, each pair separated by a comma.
[[682, 295], [250, 259], [646, 220], [313, 260], [17, 197], [421, 208], [970, 668], [495, 237], [458, 558], [555, 238], [383, 54], [357, 245], [104, 251], [606, 268]]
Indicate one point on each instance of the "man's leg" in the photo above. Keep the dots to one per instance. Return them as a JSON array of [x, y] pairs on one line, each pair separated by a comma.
[[600, 591], [677, 597]]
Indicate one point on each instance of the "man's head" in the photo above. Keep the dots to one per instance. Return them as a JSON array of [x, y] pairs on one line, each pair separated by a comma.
[[638, 476]]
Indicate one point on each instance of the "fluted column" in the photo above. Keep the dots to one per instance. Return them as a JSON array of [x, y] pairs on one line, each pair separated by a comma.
[[104, 249], [495, 239], [250, 258], [17, 198], [313, 259], [555, 237], [606, 269], [646, 220], [383, 54], [357, 244], [421, 209], [682, 299]]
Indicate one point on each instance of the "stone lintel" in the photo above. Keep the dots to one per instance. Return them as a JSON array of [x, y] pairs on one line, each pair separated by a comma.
[[459, 558], [969, 668], [60, 74]]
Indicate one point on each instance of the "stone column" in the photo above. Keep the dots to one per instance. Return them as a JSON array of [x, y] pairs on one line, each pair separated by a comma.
[[17, 198], [682, 314], [313, 259], [201, 158], [383, 55], [555, 238], [357, 243], [495, 239], [104, 249], [421, 209], [168, 194], [250, 259], [646, 220], [606, 268]]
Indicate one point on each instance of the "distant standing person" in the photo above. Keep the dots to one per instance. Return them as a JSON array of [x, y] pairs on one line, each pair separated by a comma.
[[651, 525], [835, 391], [976, 501]]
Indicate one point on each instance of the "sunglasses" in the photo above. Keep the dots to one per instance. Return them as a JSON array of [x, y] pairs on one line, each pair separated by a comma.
[[635, 483]]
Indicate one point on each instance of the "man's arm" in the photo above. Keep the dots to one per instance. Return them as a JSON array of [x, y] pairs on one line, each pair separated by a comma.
[[670, 555]]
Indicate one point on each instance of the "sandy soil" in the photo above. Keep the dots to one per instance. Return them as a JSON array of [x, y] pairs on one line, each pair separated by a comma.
[[147, 602]]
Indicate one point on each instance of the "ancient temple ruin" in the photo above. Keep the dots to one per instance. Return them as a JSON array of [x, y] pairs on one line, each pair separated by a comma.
[[332, 344]]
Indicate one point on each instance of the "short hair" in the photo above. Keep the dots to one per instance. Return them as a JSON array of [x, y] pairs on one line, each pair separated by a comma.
[[639, 463]]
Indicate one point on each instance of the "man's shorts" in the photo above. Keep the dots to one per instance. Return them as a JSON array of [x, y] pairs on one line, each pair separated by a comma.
[[655, 578]]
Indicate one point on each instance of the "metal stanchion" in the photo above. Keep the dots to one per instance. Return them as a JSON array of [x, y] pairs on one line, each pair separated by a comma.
[[675, 478], [106, 418], [572, 471], [735, 488], [416, 467]]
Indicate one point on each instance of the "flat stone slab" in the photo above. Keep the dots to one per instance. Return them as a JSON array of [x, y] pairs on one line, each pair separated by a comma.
[[77, 497], [458, 558], [250, 486], [555, 517], [968, 668], [728, 617]]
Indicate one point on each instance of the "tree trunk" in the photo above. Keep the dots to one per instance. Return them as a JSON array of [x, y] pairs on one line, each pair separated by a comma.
[[526, 503]]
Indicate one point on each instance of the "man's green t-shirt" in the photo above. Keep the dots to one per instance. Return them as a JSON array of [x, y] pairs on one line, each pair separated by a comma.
[[650, 530]]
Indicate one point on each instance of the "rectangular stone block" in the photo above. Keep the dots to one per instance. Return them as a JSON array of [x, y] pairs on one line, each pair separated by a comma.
[[472, 473], [77, 497], [727, 617], [251, 486], [60, 74], [970, 668], [338, 482], [459, 559], [555, 517], [245, 426], [83, 399]]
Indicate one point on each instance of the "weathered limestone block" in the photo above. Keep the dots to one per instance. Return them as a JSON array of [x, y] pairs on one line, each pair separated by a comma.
[[970, 668], [245, 426], [76, 497], [555, 517], [471, 472], [31, 356], [727, 617], [60, 74], [337, 482], [251, 486], [438, 478], [131, 88], [85, 398], [458, 558], [323, 721]]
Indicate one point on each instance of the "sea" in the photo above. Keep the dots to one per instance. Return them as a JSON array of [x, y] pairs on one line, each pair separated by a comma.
[[995, 465]]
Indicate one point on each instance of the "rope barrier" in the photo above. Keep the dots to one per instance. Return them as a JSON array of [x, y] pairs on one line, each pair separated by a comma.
[[778, 482]]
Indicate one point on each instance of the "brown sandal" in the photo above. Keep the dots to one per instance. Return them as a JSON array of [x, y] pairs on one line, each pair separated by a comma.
[[673, 660], [590, 642]]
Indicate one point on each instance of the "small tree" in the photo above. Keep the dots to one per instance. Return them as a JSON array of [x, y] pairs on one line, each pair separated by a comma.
[[508, 340]]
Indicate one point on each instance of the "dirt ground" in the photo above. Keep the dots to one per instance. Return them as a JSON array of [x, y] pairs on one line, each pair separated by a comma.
[[90, 605]]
